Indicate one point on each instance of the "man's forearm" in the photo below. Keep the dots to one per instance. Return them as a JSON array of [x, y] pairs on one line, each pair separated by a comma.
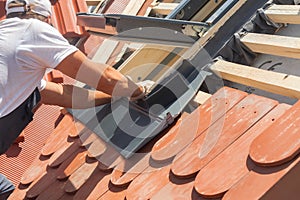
[[98, 75], [70, 96]]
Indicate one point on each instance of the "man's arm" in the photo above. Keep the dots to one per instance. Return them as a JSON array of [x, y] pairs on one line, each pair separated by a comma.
[[100, 76], [70, 96]]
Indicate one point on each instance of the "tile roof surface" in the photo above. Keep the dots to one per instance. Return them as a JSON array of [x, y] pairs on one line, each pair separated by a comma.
[[211, 159], [234, 146]]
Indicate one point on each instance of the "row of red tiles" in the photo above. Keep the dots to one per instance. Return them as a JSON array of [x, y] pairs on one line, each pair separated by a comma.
[[20, 156], [64, 16], [222, 162]]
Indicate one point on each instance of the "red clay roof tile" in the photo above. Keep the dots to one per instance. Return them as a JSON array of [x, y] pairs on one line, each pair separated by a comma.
[[2, 9], [177, 189], [94, 187], [194, 124], [56, 76], [64, 17], [37, 168], [20, 156], [221, 134], [69, 166], [42, 183], [109, 159], [213, 180], [87, 137], [279, 143], [259, 181], [287, 187], [127, 170], [19, 193], [117, 7], [96, 148], [79, 177], [114, 193], [58, 138], [57, 20], [148, 184], [109, 176], [63, 153], [53, 191], [90, 45], [77, 129]]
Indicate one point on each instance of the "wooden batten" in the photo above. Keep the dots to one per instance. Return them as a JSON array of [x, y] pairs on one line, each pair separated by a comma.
[[284, 13], [206, 10], [164, 8], [273, 44], [274, 82]]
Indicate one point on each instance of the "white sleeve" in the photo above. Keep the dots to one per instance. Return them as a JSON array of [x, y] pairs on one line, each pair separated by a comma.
[[42, 85], [42, 46]]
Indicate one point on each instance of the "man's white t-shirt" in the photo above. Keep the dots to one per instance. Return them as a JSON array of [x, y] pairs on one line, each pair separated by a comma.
[[28, 48]]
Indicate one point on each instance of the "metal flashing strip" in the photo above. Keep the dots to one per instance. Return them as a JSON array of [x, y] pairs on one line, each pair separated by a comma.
[[143, 29], [220, 11], [233, 25]]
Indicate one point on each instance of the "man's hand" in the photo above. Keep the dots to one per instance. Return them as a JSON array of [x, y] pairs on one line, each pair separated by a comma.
[[146, 87]]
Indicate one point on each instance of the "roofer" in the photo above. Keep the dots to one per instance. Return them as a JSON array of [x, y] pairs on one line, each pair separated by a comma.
[[28, 47]]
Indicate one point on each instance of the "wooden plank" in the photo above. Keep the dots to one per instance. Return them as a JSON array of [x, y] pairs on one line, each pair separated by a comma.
[[206, 10], [273, 44], [192, 51], [143, 61], [105, 50], [164, 8], [93, 2], [133, 7], [200, 98], [278, 83], [284, 13]]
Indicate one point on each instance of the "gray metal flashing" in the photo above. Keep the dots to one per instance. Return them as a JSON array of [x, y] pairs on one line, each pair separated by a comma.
[[145, 29], [127, 126]]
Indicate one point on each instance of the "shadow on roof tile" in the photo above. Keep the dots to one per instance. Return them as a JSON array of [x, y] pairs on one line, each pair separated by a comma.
[[233, 163], [280, 143], [194, 124], [221, 134], [76, 173], [261, 179]]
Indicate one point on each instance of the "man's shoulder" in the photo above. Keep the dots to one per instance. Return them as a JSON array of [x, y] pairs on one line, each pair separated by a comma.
[[17, 22], [36, 22], [40, 27]]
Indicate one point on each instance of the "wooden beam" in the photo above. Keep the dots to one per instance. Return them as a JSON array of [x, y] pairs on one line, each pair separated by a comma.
[[278, 83], [164, 8], [192, 51], [284, 13], [93, 2], [206, 10], [273, 44], [147, 59], [133, 7], [105, 50], [200, 98]]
